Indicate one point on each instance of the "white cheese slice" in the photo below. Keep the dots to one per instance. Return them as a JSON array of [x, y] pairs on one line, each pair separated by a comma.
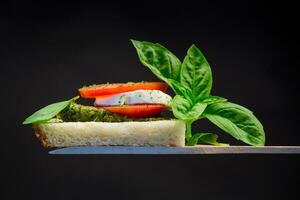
[[135, 97]]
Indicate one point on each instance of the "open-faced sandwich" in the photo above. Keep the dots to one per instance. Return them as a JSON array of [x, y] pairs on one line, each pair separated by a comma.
[[132, 113], [123, 114]]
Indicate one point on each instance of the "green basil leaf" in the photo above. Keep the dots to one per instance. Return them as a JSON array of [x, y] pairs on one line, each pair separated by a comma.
[[196, 75], [238, 121], [204, 138], [163, 63], [185, 110], [48, 112], [212, 99], [176, 87]]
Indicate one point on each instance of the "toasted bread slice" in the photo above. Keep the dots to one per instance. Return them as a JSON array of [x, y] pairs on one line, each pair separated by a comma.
[[150, 133]]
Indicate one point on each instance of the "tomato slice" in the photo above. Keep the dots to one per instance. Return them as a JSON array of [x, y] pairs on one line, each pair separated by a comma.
[[114, 88], [134, 111]]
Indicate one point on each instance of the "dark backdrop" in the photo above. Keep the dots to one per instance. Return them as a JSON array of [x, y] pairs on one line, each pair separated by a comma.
[[49, 50]]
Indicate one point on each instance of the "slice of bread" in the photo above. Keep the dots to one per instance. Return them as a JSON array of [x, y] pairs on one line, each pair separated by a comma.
[[152, 133]]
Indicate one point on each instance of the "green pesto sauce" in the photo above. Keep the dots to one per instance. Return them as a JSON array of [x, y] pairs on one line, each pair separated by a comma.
[[94, 85], [80, 113]]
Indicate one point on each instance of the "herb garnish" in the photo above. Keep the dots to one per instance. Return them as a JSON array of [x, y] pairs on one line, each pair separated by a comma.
[[48, 112], [192, 80]]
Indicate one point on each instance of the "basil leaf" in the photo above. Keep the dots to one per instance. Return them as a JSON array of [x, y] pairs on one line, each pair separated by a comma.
[[212, 99], [196, 74], [204, 138], [163, 63], [238, 121], [184, 110], [176, 87], [48, 112]]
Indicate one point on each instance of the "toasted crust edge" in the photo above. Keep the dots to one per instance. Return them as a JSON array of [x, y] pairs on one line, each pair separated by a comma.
[[42, 138]]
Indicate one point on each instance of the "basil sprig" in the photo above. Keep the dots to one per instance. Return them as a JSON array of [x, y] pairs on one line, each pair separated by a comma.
[[45, 114], [192, 83]]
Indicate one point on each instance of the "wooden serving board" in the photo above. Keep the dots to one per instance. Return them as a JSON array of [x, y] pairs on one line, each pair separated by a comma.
[[199, 149]]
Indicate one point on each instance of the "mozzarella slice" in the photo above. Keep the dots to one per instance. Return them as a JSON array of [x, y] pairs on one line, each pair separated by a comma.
[[135, 97]]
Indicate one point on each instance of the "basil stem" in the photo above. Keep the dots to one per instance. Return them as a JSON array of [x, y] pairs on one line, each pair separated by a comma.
[[188, 132]]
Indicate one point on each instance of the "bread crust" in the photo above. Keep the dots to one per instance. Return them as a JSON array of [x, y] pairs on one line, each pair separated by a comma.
[[42, 138]]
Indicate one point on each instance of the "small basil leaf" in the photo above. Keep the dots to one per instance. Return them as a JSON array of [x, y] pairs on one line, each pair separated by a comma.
[[196, 75], [184, 110], [163, 63], [238, 121], [48, 112], [212, 99], [204, 138]]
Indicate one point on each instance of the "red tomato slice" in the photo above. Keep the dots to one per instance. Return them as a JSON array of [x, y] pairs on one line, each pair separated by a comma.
[[115, 88], [135, 111]]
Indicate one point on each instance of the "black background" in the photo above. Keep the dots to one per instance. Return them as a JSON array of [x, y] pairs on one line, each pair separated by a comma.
[[49, 50]]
